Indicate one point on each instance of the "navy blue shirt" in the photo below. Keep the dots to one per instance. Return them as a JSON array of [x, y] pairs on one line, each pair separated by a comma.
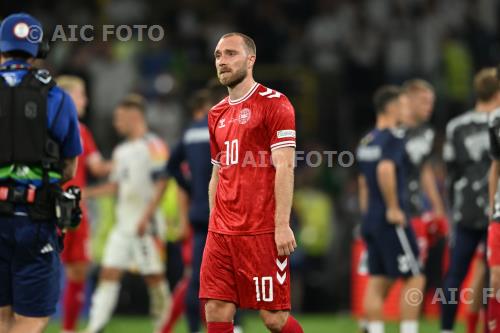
[[381, 145], [62, 118], [194, 148]]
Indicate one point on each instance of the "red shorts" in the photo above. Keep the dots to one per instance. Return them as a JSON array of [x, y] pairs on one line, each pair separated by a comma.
[[493, 252], [77, 243], [246, 271]]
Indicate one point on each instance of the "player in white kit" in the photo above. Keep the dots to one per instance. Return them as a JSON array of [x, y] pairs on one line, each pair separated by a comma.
[[135, 241]]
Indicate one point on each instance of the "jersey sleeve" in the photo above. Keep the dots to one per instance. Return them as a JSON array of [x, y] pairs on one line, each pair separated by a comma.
[[494, 134], [174, 166], [393, 149], [430, 139], [65, 127], [449, 154], [89, 146], [214, 148], [280, 123], [158, 151]]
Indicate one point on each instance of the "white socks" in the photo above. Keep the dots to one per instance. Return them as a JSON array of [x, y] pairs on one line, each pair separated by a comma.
[[103, 304], [408, 326], [376, 327], [159, 303]]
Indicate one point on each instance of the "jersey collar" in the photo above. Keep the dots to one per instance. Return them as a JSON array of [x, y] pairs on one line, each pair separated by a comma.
[[245, 97]]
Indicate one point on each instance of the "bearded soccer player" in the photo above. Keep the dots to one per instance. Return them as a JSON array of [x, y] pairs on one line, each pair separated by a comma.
[[245, 263], [75, 255]]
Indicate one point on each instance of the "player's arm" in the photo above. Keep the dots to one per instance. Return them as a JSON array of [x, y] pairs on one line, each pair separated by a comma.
[[212, 186], [429, 185], [147, 216], [495, 165], [174, 166], [105, 189], [68, 169], [493, 182], [387, 182], [183, 198], [362, 194], [99, 167], [284, 163]]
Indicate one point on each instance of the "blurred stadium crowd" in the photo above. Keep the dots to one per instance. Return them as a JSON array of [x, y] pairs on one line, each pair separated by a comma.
[[328, 56]]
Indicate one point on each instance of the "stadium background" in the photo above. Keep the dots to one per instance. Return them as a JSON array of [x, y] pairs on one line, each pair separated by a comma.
[[327, 56]]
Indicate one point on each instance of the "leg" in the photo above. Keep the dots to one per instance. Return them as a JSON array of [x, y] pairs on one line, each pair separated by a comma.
[[494, 264], [75, 258], [73, 298], [280, 322], [375, 294], [410, 308], [220, 316], [477, 286], [494, 302], [192, 301], [24, 324], [178, 306], [159, 298], [464, 246], [104, 299], [6, 318]]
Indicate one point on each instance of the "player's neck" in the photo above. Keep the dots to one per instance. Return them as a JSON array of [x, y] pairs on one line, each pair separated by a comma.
[[486, 106], [138, 132], [384, 122], [241, 89]]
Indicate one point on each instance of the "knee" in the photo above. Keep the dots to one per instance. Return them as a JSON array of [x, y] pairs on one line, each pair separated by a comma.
[[274, 321], [36, 325], [219, 311]]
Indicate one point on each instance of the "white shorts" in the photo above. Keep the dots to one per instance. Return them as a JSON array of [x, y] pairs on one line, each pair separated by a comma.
[[124, 251]]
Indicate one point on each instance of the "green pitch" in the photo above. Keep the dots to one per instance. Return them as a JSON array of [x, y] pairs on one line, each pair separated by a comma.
[[252, 324]]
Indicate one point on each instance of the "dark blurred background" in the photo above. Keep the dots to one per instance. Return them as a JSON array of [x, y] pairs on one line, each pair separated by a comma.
[[327, 56]]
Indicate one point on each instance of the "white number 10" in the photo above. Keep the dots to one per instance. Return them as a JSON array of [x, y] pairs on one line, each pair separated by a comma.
[[231, 152], [265, 288]]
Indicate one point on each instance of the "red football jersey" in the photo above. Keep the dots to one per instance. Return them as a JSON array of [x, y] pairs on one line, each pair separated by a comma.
[[89, 151], [243, 133]]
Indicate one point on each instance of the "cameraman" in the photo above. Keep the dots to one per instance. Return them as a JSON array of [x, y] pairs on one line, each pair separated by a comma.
[[39, 144]]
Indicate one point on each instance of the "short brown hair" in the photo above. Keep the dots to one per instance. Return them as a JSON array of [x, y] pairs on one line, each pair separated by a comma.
[[199, 99], [414, 85], [385, 95], [133, 101], [248, 41], [486, 84], [69, 82]]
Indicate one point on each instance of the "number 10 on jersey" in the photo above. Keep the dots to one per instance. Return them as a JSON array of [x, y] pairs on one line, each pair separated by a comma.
[[231, 152], [264, 289]]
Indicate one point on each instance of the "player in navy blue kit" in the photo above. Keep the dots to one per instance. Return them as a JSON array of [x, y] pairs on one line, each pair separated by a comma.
[[466, 153], [391, 244], [39, 144]]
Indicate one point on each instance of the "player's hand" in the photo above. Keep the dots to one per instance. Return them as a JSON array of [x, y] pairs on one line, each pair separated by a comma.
[[142, 227], [285, 240], [395, 216]]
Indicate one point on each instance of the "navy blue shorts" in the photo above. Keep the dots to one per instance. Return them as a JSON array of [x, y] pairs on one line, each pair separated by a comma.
[[29, 266], [392, 253]]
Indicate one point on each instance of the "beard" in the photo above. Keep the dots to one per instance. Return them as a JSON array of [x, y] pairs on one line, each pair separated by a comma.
[[234, 79]]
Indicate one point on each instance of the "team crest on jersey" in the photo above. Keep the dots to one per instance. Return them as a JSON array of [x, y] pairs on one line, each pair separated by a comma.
[[245, 115]]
